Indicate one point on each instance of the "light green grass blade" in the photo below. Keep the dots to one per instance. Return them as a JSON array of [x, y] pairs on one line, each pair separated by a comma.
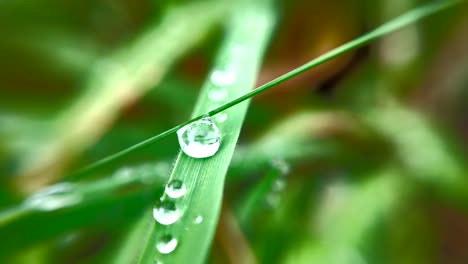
[[391, 26], [426, 156], [347, 214], [248, 30]]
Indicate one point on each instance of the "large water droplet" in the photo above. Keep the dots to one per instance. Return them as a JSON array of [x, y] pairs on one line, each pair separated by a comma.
[[222, 78], [218, 95], [166, 244], [166, 212], [54, 197], [200, 139], [176, 189]]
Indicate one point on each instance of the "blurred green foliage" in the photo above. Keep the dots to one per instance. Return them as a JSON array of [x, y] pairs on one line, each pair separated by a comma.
[[376, 140]]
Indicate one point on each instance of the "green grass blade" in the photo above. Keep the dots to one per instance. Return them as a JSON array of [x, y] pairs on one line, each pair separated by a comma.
[[426, 156], [391, 26], [129, 189], [348, 213], [247, 33]]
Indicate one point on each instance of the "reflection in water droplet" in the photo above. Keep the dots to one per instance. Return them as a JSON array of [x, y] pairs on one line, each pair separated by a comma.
[[221, 117], [166, 212], [222, 78], [218, 95], [54, 197], [176, 189], [200, 139], [198, 220], [166, 244]]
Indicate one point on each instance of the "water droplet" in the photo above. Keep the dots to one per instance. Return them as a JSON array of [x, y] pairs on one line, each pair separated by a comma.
[[54, 197], [166, 212], [281, 165], [198, 220], [221, 117], [123, 173], [218, 95], [166, 244], [176, 189], [278, 185], [222, 78], [273, 200], [200, 139]]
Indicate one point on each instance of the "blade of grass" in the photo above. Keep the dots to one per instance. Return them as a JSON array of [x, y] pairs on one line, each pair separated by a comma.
[[150, 174], [426, 156], [115, 82], [247, 33], [391, 26], [130, 188], [348, 213]]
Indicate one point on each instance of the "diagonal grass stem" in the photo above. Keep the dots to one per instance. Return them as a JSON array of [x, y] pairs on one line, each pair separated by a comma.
[[391, 26]]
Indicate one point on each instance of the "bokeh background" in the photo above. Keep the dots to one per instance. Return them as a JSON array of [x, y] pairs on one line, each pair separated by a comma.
[[370, 148]]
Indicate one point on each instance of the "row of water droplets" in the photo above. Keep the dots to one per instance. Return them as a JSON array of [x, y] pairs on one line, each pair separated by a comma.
[[281, 168], [167, 212], [221, 79], [202, 139]]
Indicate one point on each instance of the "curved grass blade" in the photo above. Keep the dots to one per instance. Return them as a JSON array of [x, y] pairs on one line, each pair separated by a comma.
[[248, 30], [391, 26]]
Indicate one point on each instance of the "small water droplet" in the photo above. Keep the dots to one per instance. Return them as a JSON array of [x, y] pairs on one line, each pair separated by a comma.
[[221, 117], [218, 95], [123, 173], [176, 189], [281, 165], [222, 78], [198, 220], [273, 200], [54, 197], [166, 244], [166, 212], [278, 185], [200, 139]]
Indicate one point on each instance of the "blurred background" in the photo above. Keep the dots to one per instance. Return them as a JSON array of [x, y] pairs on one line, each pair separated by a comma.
[[369, 150]]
